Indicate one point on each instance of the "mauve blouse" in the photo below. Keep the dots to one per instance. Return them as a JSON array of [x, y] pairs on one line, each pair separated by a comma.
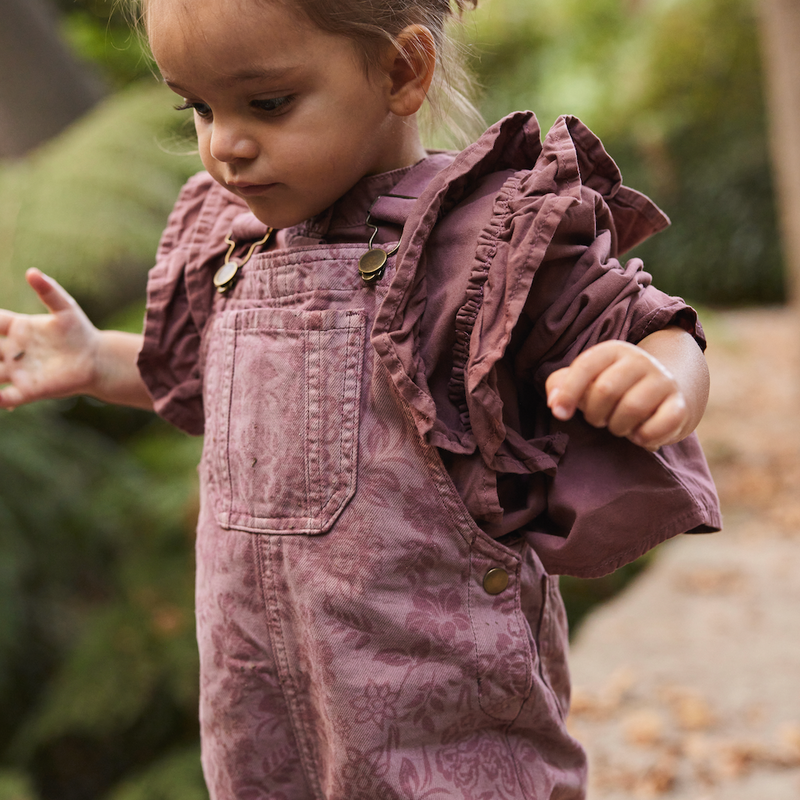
[[508, 267]]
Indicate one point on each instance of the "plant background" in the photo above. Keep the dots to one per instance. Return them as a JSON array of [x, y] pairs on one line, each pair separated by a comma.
[[98, 667]]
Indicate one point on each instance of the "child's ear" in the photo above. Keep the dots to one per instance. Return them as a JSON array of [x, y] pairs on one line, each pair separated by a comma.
[[410, 69]]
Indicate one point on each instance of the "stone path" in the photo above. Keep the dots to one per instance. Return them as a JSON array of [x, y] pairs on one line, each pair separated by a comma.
[[687, 686]]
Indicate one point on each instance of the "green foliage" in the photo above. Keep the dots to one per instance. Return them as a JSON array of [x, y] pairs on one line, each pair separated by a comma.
[[673, 87], [98, 663], [15, 785], [99, 32], [98, 660], [175, 778], [120, 53], [89, 207]]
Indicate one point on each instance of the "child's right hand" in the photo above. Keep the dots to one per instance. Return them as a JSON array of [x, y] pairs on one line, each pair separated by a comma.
[[46, 355]]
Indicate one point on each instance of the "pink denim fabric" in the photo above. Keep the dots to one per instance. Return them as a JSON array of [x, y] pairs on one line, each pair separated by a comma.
[[371, 452], [364, 660]]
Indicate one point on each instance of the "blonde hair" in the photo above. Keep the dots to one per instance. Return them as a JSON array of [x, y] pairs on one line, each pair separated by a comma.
[[450, 116]]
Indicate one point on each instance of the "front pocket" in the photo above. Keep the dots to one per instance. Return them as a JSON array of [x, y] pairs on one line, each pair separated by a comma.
[[282, 394]]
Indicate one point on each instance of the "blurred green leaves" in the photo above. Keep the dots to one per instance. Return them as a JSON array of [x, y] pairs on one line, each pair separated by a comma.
[[98, 660], [673, 87], [89, 207], [98, 664], [104, 39], [15, 785], [175, 778]]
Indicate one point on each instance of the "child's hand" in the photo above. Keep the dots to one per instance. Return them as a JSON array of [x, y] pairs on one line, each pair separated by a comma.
[[46, 355], [622, 387]]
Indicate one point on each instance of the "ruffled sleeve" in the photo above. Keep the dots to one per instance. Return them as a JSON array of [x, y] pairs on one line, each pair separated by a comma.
[[550, 282], [555, 286], [545, 282], [179, 300]]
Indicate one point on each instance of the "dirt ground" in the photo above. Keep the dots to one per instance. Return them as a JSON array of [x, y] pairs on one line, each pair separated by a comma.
[[687, 686]]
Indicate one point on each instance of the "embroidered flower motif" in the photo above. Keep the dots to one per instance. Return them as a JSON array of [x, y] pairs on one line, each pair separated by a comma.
[[363, 774], [378, 704], [342, 571], [342, 728], [420, 559]]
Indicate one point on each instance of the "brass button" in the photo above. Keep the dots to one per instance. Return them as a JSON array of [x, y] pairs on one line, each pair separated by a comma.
[[223, 278], [495, 580]]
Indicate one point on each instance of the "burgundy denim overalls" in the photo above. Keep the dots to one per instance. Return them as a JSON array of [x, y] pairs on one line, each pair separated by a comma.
[[360, 636]]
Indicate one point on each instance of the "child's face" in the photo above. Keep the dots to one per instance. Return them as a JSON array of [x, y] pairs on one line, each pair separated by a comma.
[[286, 116]]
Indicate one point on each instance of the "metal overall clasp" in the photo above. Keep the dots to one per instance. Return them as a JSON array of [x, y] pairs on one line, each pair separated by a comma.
[[225, 276]]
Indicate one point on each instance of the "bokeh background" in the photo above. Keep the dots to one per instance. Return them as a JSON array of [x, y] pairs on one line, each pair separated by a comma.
[[98, 665]]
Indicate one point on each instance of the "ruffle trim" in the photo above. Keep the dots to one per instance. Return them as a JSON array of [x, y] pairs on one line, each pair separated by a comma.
[[397, 322], [548, 180], [467, 314]]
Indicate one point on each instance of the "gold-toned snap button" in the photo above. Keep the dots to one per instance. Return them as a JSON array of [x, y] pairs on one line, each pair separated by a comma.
[[372, 264], [495, 581], [223, 278]]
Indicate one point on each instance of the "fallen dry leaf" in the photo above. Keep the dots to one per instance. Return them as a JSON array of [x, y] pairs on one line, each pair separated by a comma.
[[659, 779], [644, 727]]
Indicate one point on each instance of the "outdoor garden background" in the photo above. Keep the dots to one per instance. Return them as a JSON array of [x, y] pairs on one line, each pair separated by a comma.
[[98, 665]]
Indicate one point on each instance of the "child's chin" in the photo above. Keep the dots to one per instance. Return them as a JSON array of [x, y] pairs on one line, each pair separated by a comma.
[[273, 217]]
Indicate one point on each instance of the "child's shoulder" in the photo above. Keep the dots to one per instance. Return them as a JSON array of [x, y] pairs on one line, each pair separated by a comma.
[[568, 165]]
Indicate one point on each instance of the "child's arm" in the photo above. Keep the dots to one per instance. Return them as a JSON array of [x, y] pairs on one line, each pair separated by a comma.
[[61, 354], [653, 393]]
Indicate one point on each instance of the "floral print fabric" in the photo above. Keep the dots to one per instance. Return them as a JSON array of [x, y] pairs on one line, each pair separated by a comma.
[[373, 452], [357, 654]]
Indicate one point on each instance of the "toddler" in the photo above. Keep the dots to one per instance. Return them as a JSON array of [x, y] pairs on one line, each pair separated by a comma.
[[427, 387]]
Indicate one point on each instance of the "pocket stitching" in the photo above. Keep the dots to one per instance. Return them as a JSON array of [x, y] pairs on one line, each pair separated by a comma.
[[341, 486]]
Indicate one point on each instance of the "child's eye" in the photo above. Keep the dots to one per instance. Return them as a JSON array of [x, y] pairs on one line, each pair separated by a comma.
[[201, 109], [273, 104]]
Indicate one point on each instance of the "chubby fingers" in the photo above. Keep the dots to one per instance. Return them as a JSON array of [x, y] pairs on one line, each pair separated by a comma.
[[570, 388], [50, 292], [621, 387], [665, 426], [10, 397]]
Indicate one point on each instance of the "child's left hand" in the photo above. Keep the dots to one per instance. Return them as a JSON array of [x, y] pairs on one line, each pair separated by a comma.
[[620, 386]]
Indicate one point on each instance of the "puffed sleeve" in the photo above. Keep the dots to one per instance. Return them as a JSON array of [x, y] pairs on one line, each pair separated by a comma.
[[582, 294], [555, 287], [545, 282], [170, 356]]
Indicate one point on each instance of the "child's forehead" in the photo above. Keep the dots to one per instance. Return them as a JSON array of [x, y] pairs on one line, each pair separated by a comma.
[[266, 45], [227, 31], [228, 13]]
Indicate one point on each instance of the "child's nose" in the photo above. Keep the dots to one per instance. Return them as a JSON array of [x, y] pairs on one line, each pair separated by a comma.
[[231, 142]]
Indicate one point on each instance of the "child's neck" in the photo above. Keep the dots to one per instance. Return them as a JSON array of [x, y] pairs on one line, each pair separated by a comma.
[[405, 145]]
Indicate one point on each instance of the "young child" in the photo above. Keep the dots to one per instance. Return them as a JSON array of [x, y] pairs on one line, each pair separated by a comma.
[[386, 498]]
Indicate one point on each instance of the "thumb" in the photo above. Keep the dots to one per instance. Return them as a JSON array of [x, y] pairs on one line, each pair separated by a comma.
[[557, 402], [50, 292]]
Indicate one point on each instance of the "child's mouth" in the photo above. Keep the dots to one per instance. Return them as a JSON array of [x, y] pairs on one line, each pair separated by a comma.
[[250, 189]]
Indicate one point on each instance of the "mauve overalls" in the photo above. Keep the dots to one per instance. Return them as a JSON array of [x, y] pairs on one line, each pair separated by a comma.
[[361, 637], [349, 648]]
